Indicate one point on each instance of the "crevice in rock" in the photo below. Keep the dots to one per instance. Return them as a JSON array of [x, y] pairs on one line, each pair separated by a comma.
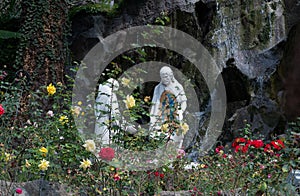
[[236, 84]]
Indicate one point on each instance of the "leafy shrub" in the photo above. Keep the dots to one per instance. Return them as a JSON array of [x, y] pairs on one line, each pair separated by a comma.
[[39, 140]]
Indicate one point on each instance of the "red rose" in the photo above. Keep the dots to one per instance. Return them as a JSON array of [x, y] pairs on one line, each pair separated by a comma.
[[116, 177], [156, 173], [245, 148], [2, 111], [237, 141], [268, 148], [240, 140], [257, 143], [19, 190], [161, 175], [278, 144], [107, 154], [237, 148]]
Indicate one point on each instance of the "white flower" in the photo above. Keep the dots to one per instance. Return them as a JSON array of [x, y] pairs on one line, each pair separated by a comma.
[[90, 145], [191, 166], [50, 113], [35, 125]]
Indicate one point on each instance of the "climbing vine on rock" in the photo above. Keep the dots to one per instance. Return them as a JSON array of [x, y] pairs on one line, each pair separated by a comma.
[[43, 48]]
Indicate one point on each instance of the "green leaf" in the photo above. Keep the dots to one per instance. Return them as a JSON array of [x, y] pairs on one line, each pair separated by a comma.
[[285, 168], [9, 34]]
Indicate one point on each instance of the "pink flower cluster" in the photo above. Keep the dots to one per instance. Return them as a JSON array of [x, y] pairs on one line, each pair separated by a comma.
[[2, 111]]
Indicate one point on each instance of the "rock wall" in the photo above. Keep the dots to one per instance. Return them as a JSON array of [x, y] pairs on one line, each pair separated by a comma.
[[289, 71], [247, 40]]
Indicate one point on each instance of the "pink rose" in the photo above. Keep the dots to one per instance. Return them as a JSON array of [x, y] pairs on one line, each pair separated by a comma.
[[19, 190], [2, 111]]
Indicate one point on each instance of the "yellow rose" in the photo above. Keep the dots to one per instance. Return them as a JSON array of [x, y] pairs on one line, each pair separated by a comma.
[[165, 127], [8, 157], [63, 119], [130, 101], [85, 164], [76, 110], [51, 89], [43, 165], [185, 128], [147, 99], [27, 164], [44, 151], [125, 81], [90, 145]]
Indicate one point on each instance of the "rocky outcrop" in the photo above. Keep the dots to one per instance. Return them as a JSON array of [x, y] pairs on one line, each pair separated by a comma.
[[246, 38], [244, 31], [88, 30], [289, 76]]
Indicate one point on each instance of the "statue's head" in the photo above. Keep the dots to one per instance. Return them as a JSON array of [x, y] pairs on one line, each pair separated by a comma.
[[114, 84], [166, 75]]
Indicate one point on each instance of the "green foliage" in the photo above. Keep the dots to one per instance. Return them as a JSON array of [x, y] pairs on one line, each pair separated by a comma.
[[247, 169], [9, 34], [292, 150], [163, 19], [10, 9], [94, 8], [43, 44], [8, 54]]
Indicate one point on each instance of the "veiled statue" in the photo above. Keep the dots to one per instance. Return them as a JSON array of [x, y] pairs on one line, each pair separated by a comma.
[[106, 110], [169, 102]]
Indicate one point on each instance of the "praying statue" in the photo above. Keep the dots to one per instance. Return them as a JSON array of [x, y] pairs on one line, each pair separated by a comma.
[[106, 110], [108, 114], [169, 102]]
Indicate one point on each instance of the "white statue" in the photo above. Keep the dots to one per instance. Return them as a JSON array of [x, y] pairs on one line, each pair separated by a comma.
[[106, 109], [107, 112], [169, 101]]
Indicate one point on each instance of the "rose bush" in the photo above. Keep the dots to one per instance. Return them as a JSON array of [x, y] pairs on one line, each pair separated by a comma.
[[41, 141]]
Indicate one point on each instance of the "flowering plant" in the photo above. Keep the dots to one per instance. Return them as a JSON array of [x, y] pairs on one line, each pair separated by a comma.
[[2, 111], [43, 143], [107, 154], [51, 89]]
